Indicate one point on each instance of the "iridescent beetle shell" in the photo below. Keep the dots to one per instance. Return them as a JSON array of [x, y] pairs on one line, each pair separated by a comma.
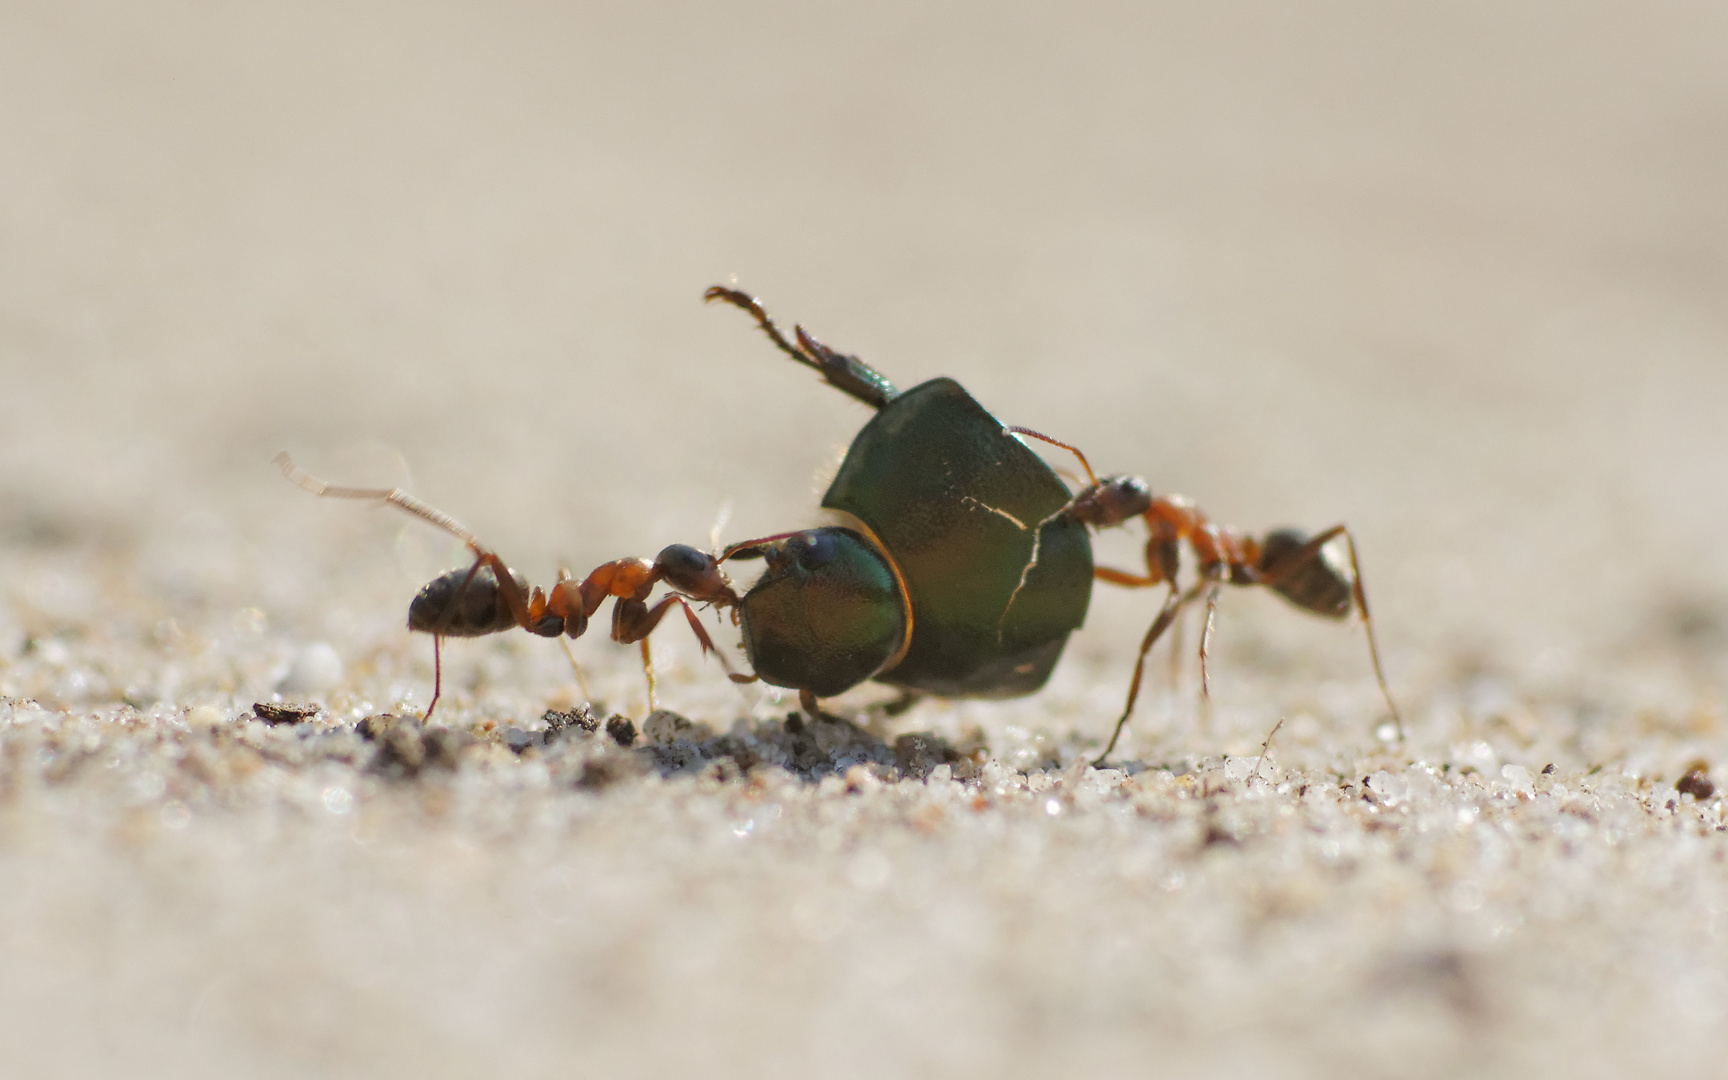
[[993, 581]]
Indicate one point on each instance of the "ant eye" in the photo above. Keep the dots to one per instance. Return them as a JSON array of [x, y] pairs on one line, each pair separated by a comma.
[[819, 550]]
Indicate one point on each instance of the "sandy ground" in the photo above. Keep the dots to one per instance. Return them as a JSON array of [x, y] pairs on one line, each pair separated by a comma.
[[1451, 273]]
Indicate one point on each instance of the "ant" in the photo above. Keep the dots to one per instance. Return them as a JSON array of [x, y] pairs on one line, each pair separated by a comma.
[[1289, 562], [488, 597]]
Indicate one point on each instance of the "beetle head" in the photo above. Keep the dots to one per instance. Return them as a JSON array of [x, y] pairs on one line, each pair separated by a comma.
[[825, 615]]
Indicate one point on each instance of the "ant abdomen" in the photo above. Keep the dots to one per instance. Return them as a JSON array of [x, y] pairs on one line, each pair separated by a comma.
[[448, 607], [1312, 583]]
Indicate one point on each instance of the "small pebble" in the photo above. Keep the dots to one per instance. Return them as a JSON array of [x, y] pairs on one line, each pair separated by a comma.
[[1696, 784], [623, 732]]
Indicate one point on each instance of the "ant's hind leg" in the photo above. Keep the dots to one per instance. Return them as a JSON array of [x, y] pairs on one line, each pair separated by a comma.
[[1360, 594], [1306, 554], [483, 556], [395, 496]]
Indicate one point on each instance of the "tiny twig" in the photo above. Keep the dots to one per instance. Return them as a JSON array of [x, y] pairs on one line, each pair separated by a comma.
[[1264, 747]]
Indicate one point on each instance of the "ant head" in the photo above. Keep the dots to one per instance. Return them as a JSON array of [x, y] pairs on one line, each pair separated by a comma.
[[1110, 501], [825, 615], [1310, 579], [695, 573]]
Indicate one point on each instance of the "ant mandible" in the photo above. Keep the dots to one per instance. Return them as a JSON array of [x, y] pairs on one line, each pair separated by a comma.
[[488, 597]]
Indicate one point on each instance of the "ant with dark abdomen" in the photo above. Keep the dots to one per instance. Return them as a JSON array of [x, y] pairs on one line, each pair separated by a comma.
[[488, 597], [1292, 564]]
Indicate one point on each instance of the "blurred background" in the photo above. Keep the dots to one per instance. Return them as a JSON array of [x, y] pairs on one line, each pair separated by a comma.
[[1452, 273]]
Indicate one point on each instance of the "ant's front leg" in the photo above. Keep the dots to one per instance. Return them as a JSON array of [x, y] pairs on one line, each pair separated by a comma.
[[1163, 560], [1166, 615], [633, 620]]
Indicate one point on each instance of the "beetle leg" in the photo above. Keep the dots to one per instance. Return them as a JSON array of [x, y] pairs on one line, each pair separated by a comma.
[[847, 374], [807, 702], [898, 705]]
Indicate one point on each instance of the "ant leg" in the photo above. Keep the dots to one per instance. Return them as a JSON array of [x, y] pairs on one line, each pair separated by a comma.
[[1172, 604], [1206, 640], [437, 676], [570, 608], [1360, 595], [570, 654], [1177, 637], [1125, 579], [648, 670], [403, 501], [633, 620], [847, 374], [395, 496]]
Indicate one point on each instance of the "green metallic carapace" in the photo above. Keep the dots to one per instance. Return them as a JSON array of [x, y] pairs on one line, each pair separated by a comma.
[[962, 516], [957, 502]]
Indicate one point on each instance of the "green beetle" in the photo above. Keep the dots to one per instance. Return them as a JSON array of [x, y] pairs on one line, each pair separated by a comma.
[[959, 577], [984, 552], [962, 565]]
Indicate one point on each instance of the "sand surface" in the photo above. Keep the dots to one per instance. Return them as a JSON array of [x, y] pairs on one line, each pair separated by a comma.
[[1451, 273]]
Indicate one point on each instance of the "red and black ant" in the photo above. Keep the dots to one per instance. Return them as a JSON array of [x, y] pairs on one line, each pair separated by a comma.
[[1291, 563], [488, 597]]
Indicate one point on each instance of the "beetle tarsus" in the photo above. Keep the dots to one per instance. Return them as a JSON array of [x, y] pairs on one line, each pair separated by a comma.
[[847, 374]]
